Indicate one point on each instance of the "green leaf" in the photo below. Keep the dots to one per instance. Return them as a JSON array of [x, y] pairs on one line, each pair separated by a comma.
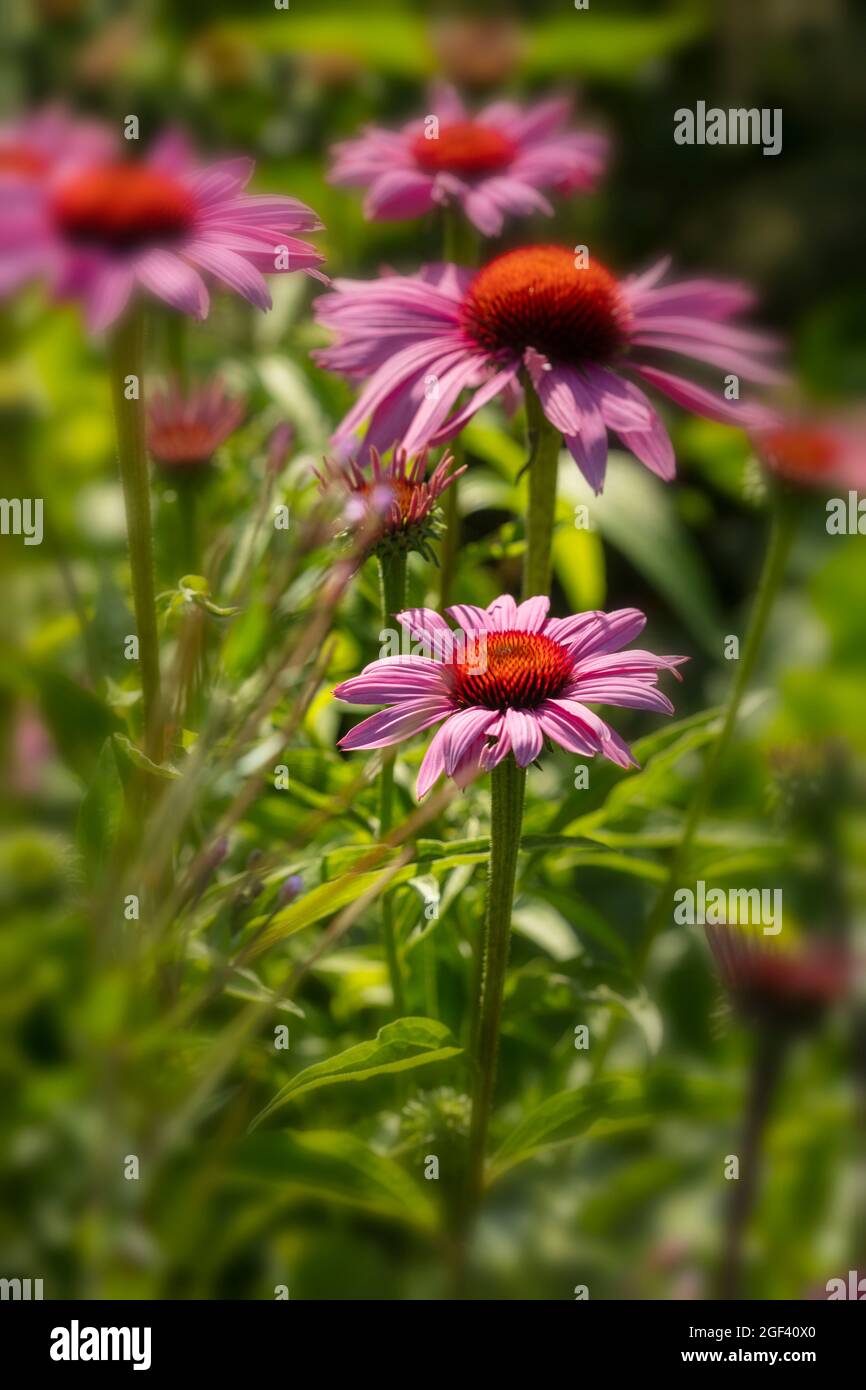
[[563, 1118], [578, 561], [140, 760], [100, 812], [399, 1046], [337, 1167]]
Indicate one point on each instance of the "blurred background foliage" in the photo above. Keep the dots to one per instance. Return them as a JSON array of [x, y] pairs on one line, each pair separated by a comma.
[[156, 1038]]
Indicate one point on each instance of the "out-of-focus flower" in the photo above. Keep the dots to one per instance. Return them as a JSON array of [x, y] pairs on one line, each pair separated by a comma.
[[37, 151], [108, 229], [396, 501], [479, 52], [818, 451], [511, 678], [279, 444], [108, 54], [784, 987], [491, 165], [290, 889], [30, 753], [184, 431], [572, 327]]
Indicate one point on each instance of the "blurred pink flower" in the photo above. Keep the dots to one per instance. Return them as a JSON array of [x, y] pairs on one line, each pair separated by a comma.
[[422, 340], [509, 679], [37, 151], [490, 165], [184, 431], [398, 498], [816, 451], [783, 986], [109, 228]]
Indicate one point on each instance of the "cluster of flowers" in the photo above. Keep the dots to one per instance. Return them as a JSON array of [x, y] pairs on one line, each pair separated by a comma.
[[102, 228]]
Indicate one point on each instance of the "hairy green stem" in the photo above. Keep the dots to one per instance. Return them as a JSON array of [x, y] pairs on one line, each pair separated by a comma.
[[543, 442], [126, 369], [392, 585], [507, 786]]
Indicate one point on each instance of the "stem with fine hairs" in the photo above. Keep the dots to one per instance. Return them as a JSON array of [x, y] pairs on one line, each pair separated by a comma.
[[543, 442], [126, 360]]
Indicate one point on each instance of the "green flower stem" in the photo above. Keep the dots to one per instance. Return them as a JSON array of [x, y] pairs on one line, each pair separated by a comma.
[[507, 786], [187, 516], [392, 583], [126, 359], [177, 331], [543, 442], [767, 1065], [782, 532]]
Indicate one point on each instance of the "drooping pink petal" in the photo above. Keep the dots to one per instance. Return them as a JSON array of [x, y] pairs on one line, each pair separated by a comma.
[[392, 725]]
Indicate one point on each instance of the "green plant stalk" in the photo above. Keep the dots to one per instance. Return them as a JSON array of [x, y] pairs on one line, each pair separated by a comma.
[[783, 529], [392, 585], [766, 1070], [187, 518], [126, 358], [176, 332], [507, 787], [543, 443]]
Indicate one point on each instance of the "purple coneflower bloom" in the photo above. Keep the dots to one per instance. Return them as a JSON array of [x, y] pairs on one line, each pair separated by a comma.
[[37, 151], [491, 165], [184, 431], [786, 987], [396, 501], [109, 228], [420, 341], [509, 679]]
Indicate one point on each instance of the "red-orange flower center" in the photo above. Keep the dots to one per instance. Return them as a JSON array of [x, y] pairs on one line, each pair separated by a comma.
[[410, 498], [21, 161], [183, 443], [510, 670], [803, 454], [464, 148], [124, 207], [538, 297]]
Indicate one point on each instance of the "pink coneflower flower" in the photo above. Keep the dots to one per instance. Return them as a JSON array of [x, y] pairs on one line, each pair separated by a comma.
[[510, 679], [395, 502], [786, 987], [184, 431], [572, 330], [490, 165], [816, 451], [111, 228], [37, 151]]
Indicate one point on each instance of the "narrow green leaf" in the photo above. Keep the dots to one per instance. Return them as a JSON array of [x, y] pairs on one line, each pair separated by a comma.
[[337, 1167], [399, 1046], [563, 1118]]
